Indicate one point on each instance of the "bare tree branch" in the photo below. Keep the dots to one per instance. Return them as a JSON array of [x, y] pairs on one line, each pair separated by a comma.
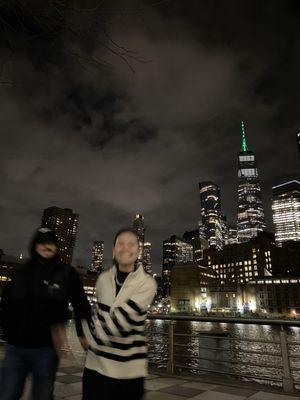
[[32, 22]]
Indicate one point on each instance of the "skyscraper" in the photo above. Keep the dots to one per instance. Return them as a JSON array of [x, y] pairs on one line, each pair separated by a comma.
[[138, 226], [224, 228], [286, 211], [97, 257], [203, 240], [232, 236], [175, 251], [211, 213], [298, 142], [64, 223], [251, 218], [193, 237], [147, 258]]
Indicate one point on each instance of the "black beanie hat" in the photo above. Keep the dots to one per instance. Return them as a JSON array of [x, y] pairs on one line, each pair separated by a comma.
[[43, 235]]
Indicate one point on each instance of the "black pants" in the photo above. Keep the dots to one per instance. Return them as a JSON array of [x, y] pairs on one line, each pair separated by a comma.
[[96, 386], [18, 362]]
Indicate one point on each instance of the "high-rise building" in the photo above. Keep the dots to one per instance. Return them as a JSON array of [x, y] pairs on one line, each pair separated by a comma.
[[97, 257], [147, 258], [211, 213], [224, 228], [231, 236], [138, 226], [203, 240], [251, 218], [286, 211], [159, 291], [64, 223], [175, 251], [193, 237], [298, 142]]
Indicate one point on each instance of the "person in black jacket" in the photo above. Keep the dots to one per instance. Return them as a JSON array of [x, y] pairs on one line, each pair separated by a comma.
[[34, 309]]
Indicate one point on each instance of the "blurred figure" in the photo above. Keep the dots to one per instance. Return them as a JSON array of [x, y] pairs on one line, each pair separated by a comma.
[[116, 363], [34, 309]]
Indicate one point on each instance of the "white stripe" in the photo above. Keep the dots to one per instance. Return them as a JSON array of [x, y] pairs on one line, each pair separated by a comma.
[[129, 339], [133, 314], [110, 324]]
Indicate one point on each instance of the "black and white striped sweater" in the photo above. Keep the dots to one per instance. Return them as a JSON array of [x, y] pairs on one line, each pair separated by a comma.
[[118, 347]]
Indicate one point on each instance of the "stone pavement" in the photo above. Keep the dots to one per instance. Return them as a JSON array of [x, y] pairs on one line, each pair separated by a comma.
[[68, 387]]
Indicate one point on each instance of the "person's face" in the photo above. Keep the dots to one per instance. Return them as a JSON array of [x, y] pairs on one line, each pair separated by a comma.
[[126, 249], [46, 250]]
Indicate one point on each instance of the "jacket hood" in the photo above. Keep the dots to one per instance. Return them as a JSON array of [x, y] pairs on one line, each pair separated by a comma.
[[42, 235]]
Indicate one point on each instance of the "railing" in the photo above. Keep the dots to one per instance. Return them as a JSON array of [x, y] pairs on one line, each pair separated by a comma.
[[273, 355]]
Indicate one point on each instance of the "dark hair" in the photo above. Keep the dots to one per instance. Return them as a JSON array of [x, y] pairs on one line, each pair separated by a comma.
[[124, 230]]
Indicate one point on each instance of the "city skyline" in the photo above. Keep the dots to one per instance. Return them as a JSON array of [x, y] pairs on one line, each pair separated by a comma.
[[157, 265], [112, 143]]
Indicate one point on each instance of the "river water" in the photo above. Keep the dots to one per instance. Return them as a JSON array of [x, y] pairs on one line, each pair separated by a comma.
[[189, 357]]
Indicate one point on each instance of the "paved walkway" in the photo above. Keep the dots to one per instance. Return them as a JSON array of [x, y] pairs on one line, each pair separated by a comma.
[[162, 387], [68, 387], [158, 387]]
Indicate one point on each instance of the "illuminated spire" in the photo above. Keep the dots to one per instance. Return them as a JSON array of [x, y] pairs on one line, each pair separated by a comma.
[[244, 142]]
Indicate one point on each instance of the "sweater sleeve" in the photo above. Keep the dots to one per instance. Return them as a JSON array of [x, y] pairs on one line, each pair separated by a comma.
[[130, 315], [79, 301]]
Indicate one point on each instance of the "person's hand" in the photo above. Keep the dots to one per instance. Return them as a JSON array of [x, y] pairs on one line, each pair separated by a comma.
[[84, 343]]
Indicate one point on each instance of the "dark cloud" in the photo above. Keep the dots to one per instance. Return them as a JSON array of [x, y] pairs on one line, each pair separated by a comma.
[[108, 142]]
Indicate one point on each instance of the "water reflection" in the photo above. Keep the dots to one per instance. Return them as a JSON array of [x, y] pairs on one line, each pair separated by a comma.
[[194, 351]]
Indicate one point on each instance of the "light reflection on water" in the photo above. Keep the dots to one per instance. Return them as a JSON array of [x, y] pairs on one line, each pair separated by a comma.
[[191, 356], [196, 352]]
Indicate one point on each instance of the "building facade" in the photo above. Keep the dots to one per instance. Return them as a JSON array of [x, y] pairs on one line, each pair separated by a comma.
[[231, 236], [64, 223], [273, 295], [286, 259], [189, 288], [210, 199], [139, 227], [251, 218], [279, 296], [193, 237], [147, 264], [286, 211], [175, 251], [239, 263], [97, 257]]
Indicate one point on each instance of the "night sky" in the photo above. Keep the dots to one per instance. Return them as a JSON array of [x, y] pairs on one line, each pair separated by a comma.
[[113, 108]]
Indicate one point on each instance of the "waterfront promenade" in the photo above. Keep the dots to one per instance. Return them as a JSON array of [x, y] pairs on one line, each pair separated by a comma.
[[166, 387]]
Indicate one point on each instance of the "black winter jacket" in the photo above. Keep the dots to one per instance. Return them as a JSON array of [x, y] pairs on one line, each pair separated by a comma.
[[36, 298]]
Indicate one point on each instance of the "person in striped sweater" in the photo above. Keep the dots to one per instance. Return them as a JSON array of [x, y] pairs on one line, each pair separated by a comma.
[[116, 362]]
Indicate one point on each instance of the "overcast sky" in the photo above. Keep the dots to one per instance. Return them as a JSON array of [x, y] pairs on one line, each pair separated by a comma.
[[108, 142]]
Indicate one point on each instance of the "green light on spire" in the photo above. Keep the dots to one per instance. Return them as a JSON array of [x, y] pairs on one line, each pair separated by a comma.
[[244, 142]]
